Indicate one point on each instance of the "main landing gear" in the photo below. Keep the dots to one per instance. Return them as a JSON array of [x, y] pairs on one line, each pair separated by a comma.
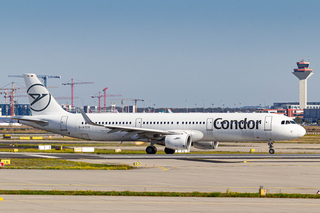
[[271, 150], [151, 150]]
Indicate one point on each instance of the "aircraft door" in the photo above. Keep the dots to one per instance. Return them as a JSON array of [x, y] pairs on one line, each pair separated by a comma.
[[139, 122], [209, 124], [63, 123], [268, 123]]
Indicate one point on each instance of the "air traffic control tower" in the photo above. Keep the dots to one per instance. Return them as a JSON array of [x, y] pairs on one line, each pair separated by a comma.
[[303, 73]]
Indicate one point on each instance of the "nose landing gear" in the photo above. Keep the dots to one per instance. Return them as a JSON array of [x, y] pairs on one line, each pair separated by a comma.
[[271, 150]]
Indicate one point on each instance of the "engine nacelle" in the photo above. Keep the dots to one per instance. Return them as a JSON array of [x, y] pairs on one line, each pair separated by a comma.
[[206, 144], [178, 142]]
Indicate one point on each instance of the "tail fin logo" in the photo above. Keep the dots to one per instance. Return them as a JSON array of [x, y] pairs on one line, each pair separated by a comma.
[[39, 97]]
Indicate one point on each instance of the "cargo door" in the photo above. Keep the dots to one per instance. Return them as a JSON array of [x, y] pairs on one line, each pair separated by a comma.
[[63, 123], [85, 136]]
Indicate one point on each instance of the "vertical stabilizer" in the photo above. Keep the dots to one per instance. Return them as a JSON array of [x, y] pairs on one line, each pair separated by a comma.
[[40, 99]]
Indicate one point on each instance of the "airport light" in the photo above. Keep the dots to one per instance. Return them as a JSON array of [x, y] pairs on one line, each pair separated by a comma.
[[187, 106], [204, 100]]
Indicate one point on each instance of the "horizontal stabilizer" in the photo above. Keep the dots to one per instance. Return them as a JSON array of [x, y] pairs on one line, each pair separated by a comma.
[[36, 121]]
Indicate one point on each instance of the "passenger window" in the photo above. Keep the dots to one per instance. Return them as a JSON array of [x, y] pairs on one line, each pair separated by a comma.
[[189, 122], [127, 122], [130, 122], [193, 122], [161, 122], [116, 122], [164, 122], [204, 122], [171, 122], [293, 122], [123, 122], [82, 123], [182, 122], [197, 122], [158, 122], [177, 122]]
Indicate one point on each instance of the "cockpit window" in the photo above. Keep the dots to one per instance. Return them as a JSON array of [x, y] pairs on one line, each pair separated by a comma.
[[288, 122]]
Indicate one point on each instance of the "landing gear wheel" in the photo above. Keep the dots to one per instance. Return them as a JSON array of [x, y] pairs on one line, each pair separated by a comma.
[[169, 151], [154, 150], [151, 150], [271, 150]]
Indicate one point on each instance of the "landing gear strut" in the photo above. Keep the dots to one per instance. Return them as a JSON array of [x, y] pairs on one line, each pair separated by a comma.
[[271, 150], [151, 150]]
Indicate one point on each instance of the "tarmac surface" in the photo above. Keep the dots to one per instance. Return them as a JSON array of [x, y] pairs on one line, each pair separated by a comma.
[[63, 204], [182, 173]]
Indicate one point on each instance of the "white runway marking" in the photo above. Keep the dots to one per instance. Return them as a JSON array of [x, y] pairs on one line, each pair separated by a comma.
[[41, 156]]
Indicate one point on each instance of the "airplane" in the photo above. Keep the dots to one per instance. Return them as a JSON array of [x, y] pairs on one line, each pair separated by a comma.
[[175, 131]]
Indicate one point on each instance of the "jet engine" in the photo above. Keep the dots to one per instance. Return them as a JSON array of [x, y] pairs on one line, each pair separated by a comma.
[[206, 144], [178, 142]]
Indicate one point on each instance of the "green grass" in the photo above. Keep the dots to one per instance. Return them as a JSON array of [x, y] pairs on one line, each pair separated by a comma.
[[58, 164], [156, 194]]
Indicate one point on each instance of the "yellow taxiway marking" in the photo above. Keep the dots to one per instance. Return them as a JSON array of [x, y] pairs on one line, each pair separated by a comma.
[[163, 168]]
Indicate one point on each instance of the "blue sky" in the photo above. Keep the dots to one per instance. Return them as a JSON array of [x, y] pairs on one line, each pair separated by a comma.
[[165, 51]]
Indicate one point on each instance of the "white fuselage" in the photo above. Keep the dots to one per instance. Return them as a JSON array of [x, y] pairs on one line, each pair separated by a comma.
[[202, 126]]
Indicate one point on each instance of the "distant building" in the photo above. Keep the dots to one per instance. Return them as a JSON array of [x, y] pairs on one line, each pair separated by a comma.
[[293, 113], [19, 109], [313, 115], [295, 105]]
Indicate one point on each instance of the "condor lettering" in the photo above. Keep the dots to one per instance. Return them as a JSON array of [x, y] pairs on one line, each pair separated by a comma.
[[235, 124]]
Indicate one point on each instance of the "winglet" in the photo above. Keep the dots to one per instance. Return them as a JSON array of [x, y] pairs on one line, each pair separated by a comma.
[[86, 118]]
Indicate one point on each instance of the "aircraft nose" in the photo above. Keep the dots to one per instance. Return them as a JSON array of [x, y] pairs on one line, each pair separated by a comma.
[[301, 131]]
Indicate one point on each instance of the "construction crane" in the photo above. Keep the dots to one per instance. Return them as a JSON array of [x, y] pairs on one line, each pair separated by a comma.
[[105, 98], [129, 99], [44, 77], [99, 97], [11, 96], [72, 87]]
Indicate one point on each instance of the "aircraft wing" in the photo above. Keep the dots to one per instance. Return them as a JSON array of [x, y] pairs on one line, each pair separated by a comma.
[[131, 130]]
